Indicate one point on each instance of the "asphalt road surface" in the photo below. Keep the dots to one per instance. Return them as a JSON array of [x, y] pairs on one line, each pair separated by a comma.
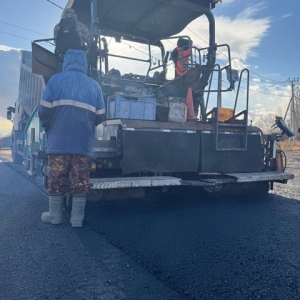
[[185, 247]]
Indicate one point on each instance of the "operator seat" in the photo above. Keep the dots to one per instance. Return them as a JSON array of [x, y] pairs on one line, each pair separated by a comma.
[[178, 87]]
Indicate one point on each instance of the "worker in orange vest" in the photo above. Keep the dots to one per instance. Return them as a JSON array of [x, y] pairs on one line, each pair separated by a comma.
[[181, 56]]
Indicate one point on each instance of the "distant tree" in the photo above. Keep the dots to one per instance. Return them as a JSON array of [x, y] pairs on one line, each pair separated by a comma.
[[264, 121]]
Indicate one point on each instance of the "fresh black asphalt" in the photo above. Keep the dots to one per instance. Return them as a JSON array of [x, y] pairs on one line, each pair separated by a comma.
[[41, 261], [245, 247], [184, 247]]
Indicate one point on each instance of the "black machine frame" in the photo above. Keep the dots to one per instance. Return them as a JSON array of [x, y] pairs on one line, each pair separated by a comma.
[[191, 151]]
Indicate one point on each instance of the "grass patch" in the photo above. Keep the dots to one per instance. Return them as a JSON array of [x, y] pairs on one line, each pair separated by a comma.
[[286, 145]]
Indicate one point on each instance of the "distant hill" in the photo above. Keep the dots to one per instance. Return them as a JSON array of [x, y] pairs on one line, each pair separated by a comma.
[[9, 78]]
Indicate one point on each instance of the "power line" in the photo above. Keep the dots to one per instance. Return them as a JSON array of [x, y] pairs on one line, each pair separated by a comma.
[[55, 4], [269, 79], [23, 28], [268, 93], [15, 35], [130, 46], [260, 92]]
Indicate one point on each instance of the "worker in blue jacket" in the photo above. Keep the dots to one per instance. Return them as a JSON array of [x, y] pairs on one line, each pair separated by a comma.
[[71, 108]]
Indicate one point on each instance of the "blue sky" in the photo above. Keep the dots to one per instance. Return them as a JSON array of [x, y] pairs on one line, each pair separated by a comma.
[[276, 55], [264, 36], [39, 16]]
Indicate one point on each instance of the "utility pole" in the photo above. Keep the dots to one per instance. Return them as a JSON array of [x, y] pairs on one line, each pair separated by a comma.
[[294, 122]]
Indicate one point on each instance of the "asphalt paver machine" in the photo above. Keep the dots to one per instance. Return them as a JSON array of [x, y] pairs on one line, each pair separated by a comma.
[[168, 133]]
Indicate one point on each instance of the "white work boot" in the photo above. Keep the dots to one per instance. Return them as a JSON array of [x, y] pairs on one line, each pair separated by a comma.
[[78, 207], [55, 213]]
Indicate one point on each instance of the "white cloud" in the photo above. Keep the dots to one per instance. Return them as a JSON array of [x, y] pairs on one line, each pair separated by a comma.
[[286, 16], [267, 97], [243, 33], [225, 2], [250, 11], [7, 48]]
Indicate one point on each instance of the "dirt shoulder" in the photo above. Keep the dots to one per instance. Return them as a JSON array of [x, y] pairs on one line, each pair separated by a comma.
[[292, 188], [286, 145]]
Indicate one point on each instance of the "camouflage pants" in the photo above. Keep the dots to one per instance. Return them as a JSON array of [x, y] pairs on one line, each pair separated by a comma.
[[69, 173]]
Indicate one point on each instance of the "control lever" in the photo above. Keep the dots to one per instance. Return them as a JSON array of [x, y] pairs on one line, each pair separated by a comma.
[[280, 123]]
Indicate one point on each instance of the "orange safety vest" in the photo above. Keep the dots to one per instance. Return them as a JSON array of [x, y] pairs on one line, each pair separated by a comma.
[[182, 62]]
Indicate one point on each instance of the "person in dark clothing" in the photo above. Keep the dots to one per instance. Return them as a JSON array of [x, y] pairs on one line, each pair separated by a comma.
[[71, 107], [83, 31]]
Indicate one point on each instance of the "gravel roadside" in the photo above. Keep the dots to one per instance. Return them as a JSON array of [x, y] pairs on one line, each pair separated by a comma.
[[292, 188]]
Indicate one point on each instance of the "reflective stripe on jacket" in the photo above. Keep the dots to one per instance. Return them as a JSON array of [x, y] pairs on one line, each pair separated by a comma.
[[71, 107]]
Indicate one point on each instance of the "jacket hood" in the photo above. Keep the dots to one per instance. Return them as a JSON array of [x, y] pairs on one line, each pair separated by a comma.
[[69, 13], [75, 60]]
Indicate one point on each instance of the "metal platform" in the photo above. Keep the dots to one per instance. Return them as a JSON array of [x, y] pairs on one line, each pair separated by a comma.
[[261, 176], [133, 182], [161, 181], [208, 182]]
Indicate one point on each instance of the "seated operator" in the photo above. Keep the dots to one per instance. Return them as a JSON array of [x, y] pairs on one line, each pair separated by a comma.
[[181, 56], [69, 33]]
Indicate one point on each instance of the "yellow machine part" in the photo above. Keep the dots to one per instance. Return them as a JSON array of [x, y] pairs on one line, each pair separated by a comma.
[[224, 114]]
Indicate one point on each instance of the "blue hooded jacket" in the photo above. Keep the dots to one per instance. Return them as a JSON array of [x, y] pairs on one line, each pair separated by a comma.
[[71, 107]]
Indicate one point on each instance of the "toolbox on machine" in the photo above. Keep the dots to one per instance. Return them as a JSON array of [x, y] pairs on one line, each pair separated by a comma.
[[140, 108]]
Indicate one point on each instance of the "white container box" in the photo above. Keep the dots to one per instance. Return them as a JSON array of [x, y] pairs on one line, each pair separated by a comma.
[[178, 112]]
